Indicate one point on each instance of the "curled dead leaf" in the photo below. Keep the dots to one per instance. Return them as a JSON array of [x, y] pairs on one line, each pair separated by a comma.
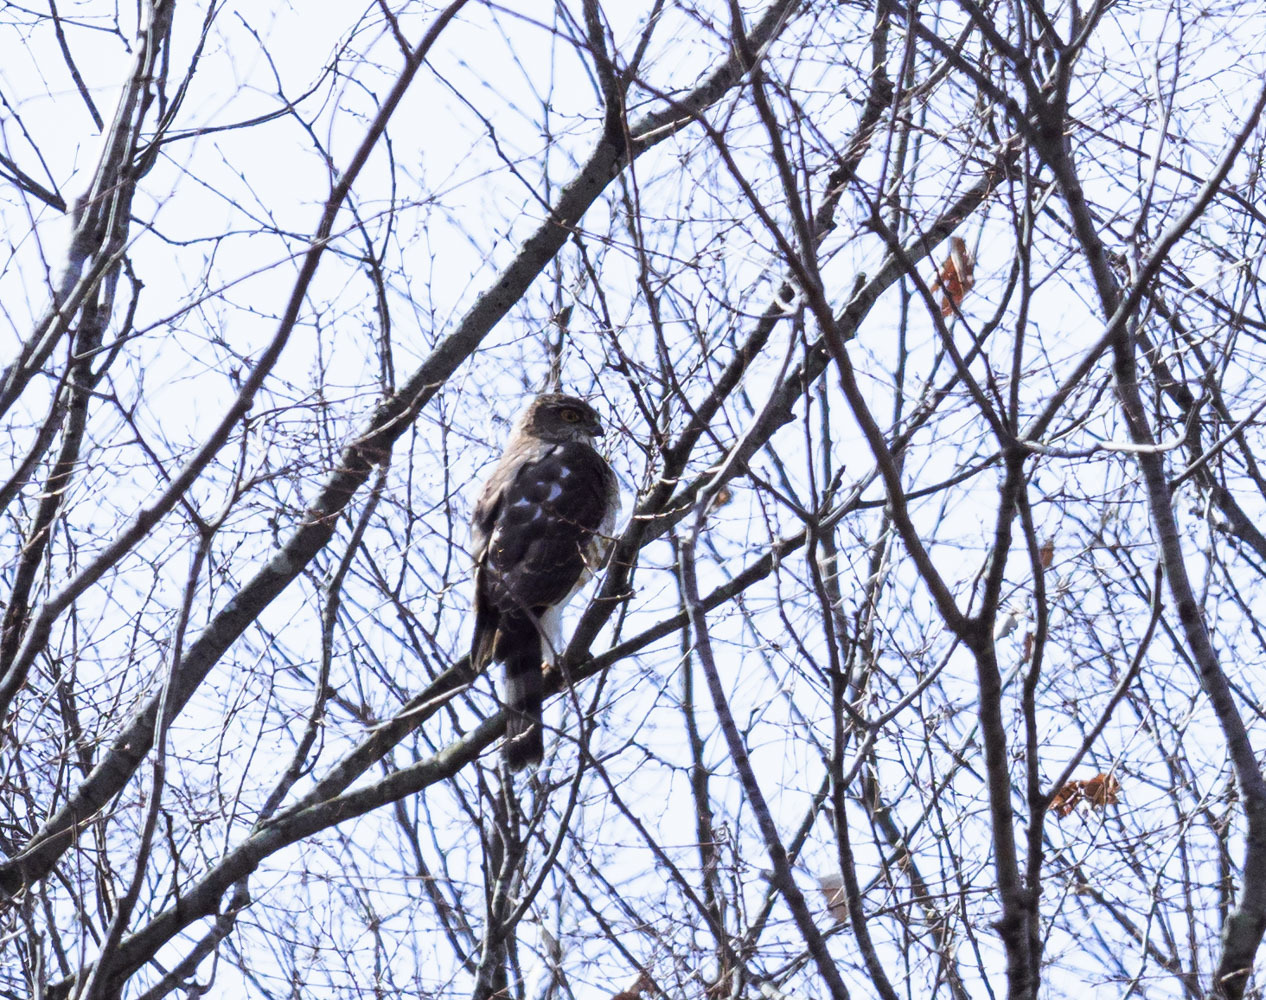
[[1099, 792], [956, 277], [635, 991], [722, 497], [1046, 553], [832, 887]]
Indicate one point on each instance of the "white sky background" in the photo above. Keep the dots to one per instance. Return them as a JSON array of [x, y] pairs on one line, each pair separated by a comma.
[[220, 222]]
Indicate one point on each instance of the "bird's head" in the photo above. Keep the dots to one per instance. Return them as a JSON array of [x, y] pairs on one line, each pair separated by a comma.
[[557, 417]]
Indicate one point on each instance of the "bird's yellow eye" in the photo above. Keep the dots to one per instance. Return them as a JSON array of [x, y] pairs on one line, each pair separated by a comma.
[[571, 416]]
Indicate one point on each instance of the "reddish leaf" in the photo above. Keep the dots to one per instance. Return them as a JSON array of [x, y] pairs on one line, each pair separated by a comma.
[[956, 277], [832, 887], [1101, 791], [1046, 554], [1066, 798], [635, 991]]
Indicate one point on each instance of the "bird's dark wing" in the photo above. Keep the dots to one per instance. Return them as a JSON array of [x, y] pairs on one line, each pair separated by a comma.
[[544, 523], [534, 527]]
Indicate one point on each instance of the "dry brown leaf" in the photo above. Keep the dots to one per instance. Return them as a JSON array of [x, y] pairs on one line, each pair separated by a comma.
[[1047, 553], [1102, 790], [1099, 792], [956, 278], [1066, 798], [635, 991], [832, 887], [722, 497]]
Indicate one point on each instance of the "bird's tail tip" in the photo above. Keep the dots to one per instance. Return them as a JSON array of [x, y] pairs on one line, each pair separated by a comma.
[[524, 693], [523, 746]]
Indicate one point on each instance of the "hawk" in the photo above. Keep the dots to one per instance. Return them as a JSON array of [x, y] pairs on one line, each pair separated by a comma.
[[537, 536]]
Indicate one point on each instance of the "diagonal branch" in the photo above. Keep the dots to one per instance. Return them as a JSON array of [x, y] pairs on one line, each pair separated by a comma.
[[391, 419]]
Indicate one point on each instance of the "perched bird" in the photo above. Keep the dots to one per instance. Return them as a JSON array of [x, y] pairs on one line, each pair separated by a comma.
[[538, 533]]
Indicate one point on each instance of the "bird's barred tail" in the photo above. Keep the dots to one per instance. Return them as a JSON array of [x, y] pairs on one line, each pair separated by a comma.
[[524, 688]]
